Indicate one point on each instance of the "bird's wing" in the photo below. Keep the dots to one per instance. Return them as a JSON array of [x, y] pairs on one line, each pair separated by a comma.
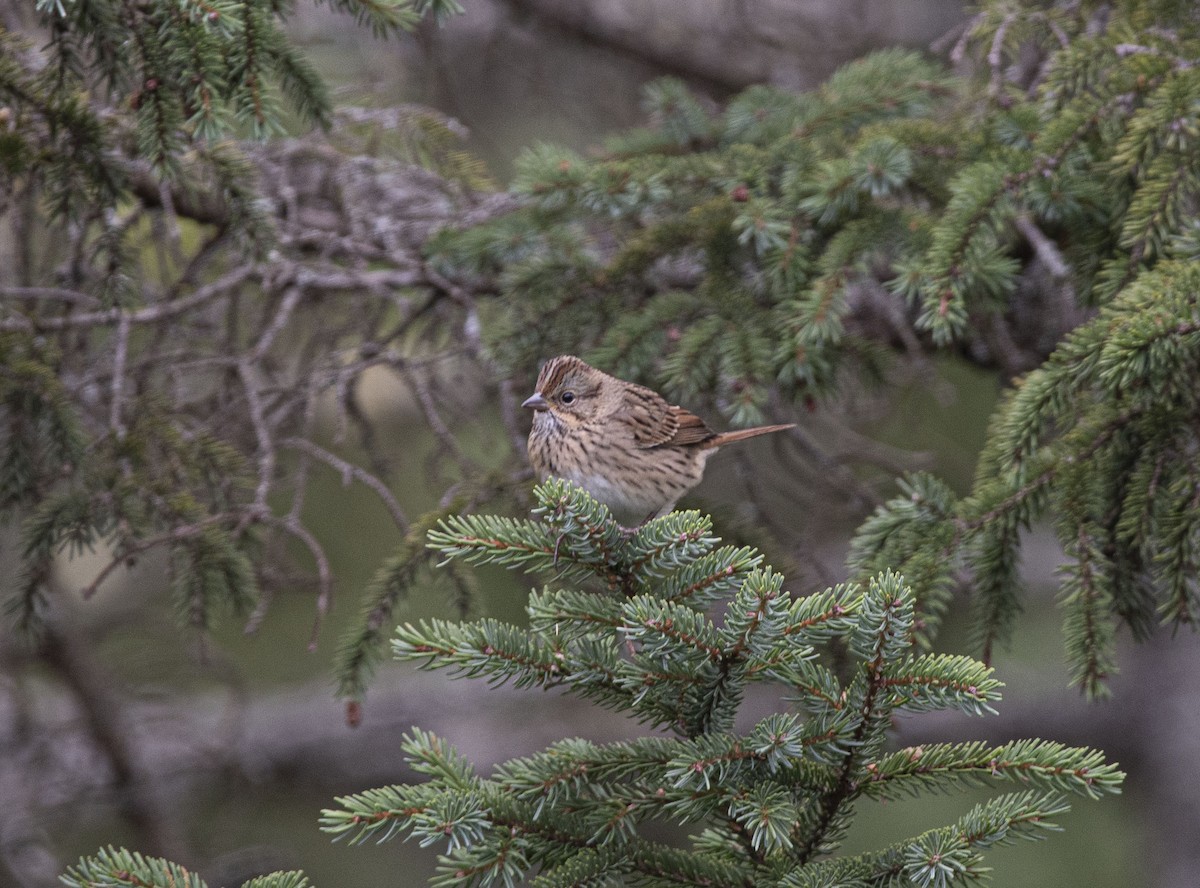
[[689, 428], [655, 423]]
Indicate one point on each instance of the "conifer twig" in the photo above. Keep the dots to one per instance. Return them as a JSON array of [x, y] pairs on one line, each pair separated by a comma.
[[296, 528], [262, 432], [130, 549], [1045, 248], [120, 356], [151, 314], [350, 471], [433, 418]]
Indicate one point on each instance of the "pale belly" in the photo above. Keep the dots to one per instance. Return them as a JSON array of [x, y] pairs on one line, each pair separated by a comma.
[[635, 484], [632, 503], [629, 504]]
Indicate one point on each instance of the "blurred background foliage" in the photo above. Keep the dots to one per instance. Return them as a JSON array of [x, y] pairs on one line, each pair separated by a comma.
[[626, 182]]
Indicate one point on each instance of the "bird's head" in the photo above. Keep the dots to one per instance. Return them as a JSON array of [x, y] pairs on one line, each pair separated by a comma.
[[570, 391]]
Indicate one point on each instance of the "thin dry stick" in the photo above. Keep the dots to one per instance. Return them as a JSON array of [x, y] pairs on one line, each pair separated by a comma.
[[151, 314], [508, 414], [300, 476], [120, 356], [995, 54], [960, 46], [171, 221], [1045, 248], [266, 449], [39, 294], [433, 418], [349, 471], [174, 535], [287, 305], [299, 487], [324, 573]]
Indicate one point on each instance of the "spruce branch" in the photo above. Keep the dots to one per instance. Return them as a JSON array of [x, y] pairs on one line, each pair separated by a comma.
[[289, 879], [880, 635], [485, 539], [773, 801], [364, 644], [573, 614], [661, 546], [1083, 439], [130, 550], [779, 796], [897, 209], [118, 868], [489, 647], [587, 527], [943, 681], [944, 767]]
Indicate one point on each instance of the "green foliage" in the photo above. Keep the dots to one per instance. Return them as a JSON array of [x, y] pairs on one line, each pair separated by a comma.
[[713, 200], [365, 644], [411, 134], [42, 437], [118, 868], [116, 384], [188, 74], [147, 486], [759, 257], [750, 256], [912, 534], [772, 803], [767, 255], [290, 879], [1101, 438], [1103, 434]]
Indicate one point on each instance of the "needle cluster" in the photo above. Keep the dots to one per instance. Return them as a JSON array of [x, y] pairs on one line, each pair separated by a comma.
[[675, 645]]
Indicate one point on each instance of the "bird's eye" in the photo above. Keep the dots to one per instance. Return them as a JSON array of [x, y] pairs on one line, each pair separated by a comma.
[[567, 397]]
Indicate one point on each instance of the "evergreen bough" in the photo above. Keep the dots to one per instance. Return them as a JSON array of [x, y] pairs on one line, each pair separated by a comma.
[[767, 256], [1037, 215], [666, 625]]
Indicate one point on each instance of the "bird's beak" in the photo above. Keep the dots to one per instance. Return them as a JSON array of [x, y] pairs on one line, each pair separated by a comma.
[[536, 402]]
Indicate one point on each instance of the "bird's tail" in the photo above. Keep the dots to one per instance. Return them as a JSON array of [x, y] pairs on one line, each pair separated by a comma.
[[740, 434]]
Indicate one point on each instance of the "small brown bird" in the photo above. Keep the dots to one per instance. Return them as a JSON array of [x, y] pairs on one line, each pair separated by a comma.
[[621, 442]]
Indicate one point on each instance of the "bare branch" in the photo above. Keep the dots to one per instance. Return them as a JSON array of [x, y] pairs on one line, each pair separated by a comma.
[[995, 55], [433, 418], [349, 471], [509, 411], [151, 314], [324, 572], [283, 313], [1045, 248], [129, 549], [120, 355], [47, 294], [171, 221], [266, 451]]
